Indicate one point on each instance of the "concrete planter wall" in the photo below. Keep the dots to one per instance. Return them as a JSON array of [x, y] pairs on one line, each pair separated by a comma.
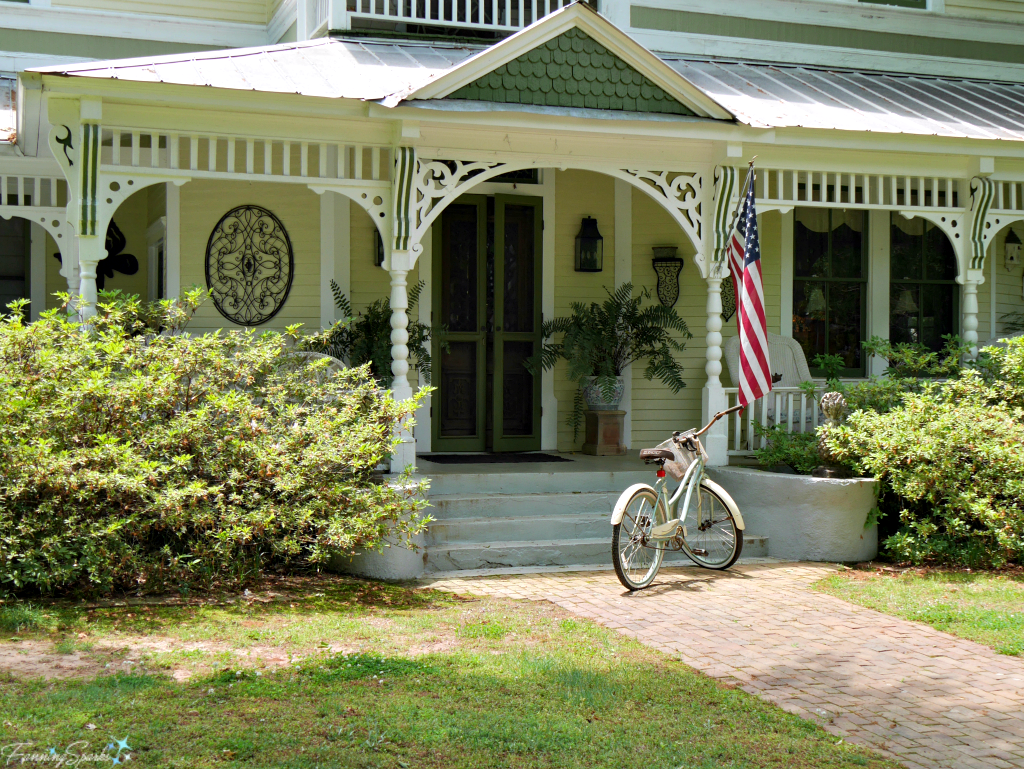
[[392, 563], [805, 518]]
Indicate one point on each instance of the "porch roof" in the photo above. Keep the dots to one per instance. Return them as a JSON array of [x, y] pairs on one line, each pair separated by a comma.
[[756, 94]]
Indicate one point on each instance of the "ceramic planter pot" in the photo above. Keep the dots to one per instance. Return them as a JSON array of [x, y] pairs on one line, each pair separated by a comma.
[[595, 398]]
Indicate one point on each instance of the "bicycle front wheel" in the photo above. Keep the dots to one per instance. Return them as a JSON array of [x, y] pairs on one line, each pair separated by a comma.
[[636, 558], [713, 540]]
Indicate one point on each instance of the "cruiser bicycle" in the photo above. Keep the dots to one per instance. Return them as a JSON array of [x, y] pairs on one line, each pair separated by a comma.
[[648, 521]]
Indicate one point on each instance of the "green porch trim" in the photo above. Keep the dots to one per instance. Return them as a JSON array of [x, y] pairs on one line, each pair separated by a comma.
[[724, 212], [87, 174], [808, 34], [572, 70], [405, 167], [982, 192]]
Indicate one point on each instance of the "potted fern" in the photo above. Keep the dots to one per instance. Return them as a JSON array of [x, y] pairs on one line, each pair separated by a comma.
[[365, 337], [598, 341]]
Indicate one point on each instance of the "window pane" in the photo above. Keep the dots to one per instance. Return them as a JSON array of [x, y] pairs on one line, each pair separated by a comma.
[[810, 247], [937, 315], [844, 327], [939, 258], [847, 244], [904, 313], [905, 248], [809, 313]]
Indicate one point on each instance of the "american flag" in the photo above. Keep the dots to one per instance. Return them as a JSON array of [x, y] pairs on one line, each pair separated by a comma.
[[745, 264]]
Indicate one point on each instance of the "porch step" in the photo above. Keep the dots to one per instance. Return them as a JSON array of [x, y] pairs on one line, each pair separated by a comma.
[[479, 506], [551, 552], [535, 481], [497, 529]]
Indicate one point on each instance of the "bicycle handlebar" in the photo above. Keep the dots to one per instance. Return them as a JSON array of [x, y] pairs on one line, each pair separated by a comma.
[[715, 418]]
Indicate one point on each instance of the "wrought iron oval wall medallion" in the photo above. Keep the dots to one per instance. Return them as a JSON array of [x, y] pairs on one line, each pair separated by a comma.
[[249, 265]]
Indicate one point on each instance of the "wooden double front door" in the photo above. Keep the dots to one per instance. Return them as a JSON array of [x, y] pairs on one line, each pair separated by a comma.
[[486, 282]]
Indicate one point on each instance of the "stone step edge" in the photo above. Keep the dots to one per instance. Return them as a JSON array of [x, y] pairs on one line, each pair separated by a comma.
[[519, 495], [521, 543], [436, 576]]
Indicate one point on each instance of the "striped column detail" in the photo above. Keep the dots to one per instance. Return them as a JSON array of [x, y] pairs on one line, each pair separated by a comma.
[[982, 191], [725, 188], [405, 169], [88, 173]]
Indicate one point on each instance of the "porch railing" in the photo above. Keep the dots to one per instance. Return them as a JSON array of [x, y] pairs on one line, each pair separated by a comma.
[[788, 406], [500, 16]]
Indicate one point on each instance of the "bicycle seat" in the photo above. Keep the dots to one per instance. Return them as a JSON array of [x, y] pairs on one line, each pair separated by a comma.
[[657, 455]]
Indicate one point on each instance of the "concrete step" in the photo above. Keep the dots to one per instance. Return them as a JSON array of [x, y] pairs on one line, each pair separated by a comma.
[[536, 481], [496, 529], [461, 556], [476, 506]]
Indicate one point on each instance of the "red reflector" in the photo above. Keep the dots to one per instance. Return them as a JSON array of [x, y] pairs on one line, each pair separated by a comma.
[[661, 472]]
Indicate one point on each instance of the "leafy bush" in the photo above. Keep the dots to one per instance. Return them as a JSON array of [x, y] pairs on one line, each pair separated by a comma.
[[798, 451], [953, 453], [140, 462]]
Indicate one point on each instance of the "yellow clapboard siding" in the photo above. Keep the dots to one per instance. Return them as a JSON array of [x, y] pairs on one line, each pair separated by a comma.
[[243, 11], [580, 193], [992, 10], [203, 203], [656, 410]]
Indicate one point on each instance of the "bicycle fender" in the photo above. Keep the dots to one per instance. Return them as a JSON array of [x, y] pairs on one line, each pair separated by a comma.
[[624, 497], [729, 501]]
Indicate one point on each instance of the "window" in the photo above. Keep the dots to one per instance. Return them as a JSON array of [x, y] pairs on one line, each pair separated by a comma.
[[829, 285], [923, 294], [14, 261], [920, 4]]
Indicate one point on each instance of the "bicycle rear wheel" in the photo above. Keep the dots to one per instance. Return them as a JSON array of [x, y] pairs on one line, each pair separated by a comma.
[[712, 538], [637, 559]]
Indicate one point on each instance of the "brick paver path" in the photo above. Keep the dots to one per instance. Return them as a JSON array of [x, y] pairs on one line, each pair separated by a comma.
[[927, 698]]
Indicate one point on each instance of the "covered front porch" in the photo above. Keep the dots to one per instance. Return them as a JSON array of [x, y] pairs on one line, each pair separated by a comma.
[[398, 156]]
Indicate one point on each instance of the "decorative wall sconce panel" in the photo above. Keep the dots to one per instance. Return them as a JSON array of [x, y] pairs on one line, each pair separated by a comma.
[[667, 267], [249, 265]]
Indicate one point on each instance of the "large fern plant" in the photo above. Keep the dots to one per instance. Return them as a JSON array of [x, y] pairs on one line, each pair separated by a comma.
[[366, 337], [601, 340]]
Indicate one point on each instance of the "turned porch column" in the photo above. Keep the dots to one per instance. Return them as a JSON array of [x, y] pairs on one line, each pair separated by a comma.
[[969, 322], [713, 398]]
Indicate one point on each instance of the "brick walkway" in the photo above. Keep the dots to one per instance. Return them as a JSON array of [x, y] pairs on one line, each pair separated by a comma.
[[924, 697]]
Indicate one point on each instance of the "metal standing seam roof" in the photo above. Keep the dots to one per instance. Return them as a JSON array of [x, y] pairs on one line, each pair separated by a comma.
[[326, 68], [757, 94], [784, 96]]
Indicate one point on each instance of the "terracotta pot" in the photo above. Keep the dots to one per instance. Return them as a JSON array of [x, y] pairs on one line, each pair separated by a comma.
[[595, 398]]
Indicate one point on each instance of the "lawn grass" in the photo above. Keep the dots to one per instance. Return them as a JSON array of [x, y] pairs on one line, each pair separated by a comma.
[[983, 607], [342, 673]]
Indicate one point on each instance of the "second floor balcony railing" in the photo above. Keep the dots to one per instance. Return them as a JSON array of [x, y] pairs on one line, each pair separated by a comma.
[[500, 17]]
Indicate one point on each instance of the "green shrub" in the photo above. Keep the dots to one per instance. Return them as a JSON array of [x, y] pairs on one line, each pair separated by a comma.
[[138, 462], [798, 451], [953, 454]]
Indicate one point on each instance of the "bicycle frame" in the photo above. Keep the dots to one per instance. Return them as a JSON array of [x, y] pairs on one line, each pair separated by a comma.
[[690, 482]]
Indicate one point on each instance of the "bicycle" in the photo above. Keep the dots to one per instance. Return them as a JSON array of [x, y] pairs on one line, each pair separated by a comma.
[[645, 522]]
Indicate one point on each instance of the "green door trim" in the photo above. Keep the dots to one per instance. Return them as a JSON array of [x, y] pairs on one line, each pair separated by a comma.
[[478, 441], [532, 442]]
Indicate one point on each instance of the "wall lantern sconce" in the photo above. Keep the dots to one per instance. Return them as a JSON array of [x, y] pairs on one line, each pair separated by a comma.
[[1011, 250], [378, 253], [589, 247], [667, 267]]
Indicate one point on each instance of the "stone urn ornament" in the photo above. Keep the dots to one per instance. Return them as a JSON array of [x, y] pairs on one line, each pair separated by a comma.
[[833, 406]]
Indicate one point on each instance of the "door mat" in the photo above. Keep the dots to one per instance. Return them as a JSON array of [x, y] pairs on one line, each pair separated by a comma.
[[491, 459]]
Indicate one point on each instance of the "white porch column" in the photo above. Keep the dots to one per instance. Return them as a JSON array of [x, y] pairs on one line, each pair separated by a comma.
[[405, 453], [970, 312], [713, 398], [624, 274], [91, 252]]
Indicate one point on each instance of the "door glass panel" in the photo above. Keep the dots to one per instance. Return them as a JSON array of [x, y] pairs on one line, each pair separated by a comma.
[[458, 390], [517, 390], [519, 268], [809, 316], [936, 313], [459, 278], [845, 304]]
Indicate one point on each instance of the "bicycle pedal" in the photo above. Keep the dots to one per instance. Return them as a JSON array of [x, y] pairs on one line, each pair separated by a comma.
[[698, 551]]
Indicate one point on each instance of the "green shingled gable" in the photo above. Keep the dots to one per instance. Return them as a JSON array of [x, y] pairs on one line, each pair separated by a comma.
[[572, 70]]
